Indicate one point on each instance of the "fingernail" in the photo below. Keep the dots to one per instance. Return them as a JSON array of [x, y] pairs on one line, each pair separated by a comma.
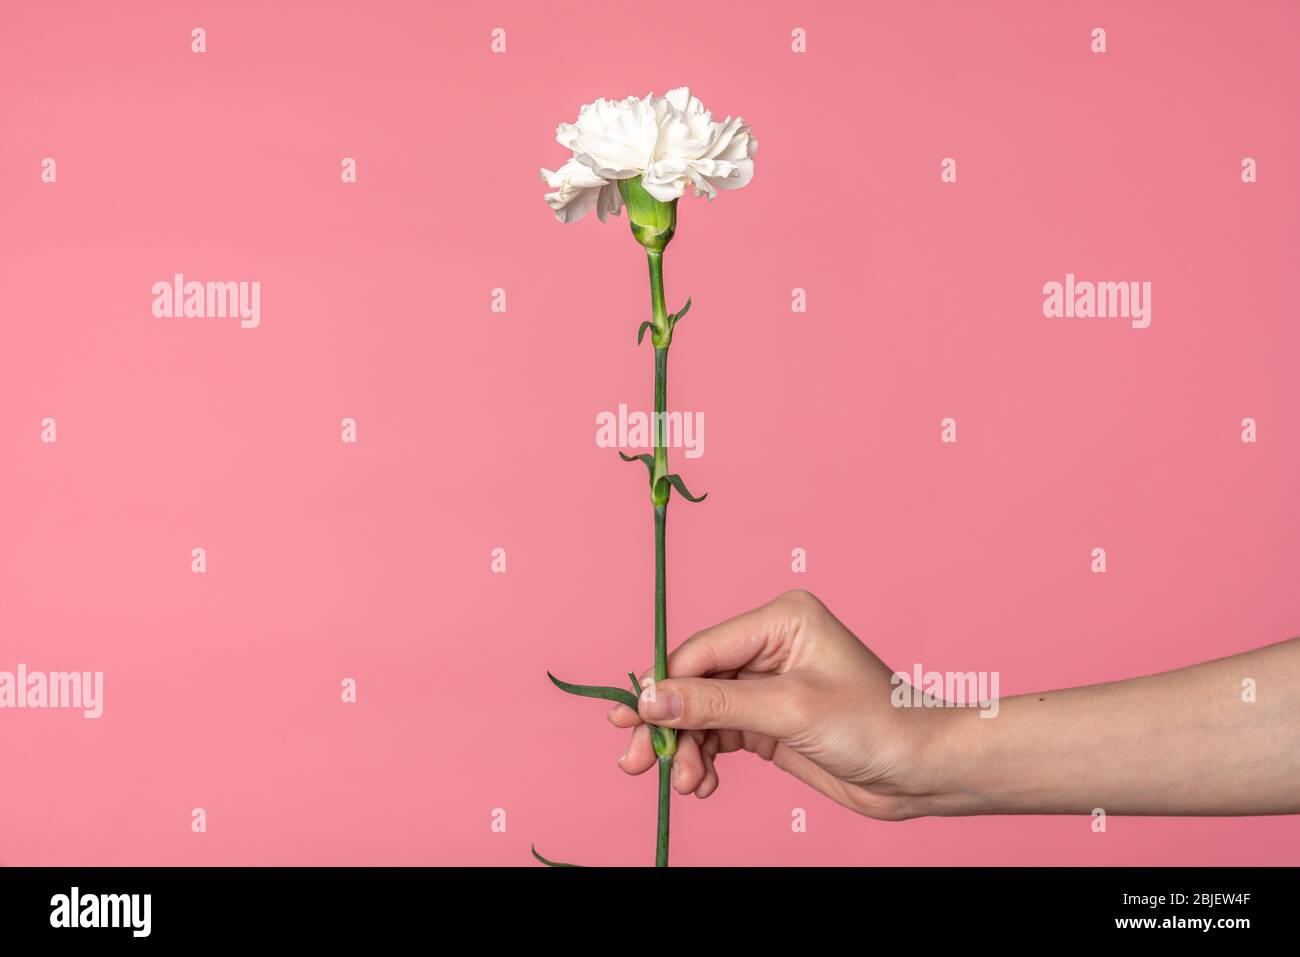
[[666, 706]]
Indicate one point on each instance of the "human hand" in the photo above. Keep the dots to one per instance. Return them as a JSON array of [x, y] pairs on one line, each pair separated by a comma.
[[791, 684], [788, 682]]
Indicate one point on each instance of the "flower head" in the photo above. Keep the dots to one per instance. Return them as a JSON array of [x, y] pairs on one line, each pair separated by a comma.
[[668, 142]]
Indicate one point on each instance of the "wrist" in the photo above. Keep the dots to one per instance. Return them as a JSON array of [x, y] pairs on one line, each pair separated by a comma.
[[956, 764]]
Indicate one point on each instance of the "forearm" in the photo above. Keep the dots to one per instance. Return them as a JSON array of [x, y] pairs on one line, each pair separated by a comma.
[[1179, 743]]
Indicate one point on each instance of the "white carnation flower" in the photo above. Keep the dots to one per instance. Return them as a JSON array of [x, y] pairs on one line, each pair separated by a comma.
[[670, 142]]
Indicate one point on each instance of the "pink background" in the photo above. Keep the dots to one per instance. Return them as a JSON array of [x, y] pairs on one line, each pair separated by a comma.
[[477, 429]]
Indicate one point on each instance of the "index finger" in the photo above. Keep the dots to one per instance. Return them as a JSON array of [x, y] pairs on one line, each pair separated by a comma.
[[726, 647], [735, 643]]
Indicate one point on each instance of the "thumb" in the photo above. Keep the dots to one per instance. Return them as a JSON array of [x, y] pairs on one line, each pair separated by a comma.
[[764, 705]]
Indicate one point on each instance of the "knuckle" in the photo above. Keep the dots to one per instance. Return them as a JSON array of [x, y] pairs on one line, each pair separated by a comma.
[[800, 600], [800, 709]]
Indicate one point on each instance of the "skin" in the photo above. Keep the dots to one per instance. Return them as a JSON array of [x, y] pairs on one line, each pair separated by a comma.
[[788, 682]]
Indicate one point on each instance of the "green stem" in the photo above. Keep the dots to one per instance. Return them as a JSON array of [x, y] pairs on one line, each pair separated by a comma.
[[658, 311], [659, 474], [665, 778], [666, 740], [661, 594]]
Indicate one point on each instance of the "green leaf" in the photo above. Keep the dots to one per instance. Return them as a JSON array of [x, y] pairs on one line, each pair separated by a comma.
[[677, 317], [644, 457], [685, 492], [641, 332], [595, 691], [636, 685], [533, 847]]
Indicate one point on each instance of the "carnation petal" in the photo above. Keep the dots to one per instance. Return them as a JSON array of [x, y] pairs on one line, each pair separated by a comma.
[[609, 202], [578, 190], [681, 99], [672, 142]]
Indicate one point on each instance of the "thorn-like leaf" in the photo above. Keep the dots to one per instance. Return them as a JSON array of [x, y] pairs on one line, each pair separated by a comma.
[[595, 691], [685, 492], [641, 332], [635, 684], [645, 458], [677, 317], [533, 847]]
